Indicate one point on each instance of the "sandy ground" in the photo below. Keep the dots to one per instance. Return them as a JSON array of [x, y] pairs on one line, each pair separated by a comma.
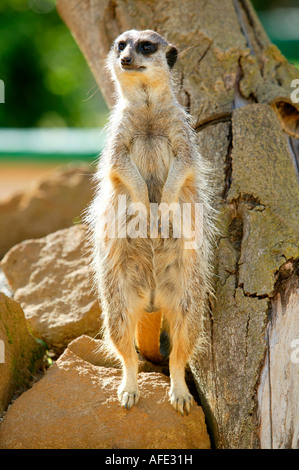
[[17, 176]]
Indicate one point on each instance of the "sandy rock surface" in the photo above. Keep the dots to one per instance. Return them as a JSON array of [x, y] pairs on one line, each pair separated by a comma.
[[19, 351], [75, 405], [50, 203], [52, 279]]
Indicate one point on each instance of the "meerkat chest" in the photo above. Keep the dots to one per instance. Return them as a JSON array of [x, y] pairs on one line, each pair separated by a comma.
[[151, 150], [152, 155]]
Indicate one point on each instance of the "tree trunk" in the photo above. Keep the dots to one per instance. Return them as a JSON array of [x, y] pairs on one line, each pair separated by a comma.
[[237, 85]]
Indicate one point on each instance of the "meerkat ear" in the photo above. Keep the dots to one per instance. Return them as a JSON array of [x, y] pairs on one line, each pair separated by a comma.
[[171, 55]]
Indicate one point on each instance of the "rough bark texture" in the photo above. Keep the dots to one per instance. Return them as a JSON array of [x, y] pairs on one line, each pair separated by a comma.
[[237, 85]]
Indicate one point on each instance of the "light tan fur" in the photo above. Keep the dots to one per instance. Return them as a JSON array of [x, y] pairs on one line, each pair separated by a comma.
[[151, 156]]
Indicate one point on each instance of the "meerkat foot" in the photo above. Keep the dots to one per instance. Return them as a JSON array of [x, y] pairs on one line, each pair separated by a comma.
[[181, 400], [128, 398]]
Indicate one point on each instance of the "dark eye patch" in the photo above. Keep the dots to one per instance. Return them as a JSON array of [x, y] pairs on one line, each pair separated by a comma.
[[121, 45], [146, 47]]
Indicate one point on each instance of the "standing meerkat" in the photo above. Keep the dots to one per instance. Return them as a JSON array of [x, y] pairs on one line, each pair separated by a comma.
[[151, 157]]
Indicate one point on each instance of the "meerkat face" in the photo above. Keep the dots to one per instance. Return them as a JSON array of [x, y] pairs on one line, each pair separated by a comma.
[[141, 53]]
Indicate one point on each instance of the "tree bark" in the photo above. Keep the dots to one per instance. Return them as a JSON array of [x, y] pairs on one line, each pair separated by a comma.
[[237, 85]]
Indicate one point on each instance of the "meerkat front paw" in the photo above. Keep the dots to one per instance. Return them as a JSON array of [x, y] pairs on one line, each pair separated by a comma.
[[128, 397], [181, 401]]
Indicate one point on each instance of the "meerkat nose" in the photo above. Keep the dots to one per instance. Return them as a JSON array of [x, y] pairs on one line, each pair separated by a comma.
[[126, 60]]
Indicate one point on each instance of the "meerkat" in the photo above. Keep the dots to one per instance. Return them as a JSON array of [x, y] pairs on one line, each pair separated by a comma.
[[151, 157]]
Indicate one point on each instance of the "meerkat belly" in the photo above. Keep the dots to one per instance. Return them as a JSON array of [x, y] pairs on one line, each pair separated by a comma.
[[152, 155]]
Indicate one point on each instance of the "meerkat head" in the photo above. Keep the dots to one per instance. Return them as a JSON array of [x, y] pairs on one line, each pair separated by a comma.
[[141, 56]]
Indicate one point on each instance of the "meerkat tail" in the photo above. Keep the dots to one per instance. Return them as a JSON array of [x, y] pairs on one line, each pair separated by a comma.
[[148, 336]]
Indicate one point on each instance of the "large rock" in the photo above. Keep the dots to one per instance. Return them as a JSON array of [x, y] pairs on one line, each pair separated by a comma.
[[50, 203], [75, 405], [51, 278], [19, 351]]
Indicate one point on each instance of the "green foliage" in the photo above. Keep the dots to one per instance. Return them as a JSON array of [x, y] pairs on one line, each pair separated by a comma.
[[268, 4], [47, 81]]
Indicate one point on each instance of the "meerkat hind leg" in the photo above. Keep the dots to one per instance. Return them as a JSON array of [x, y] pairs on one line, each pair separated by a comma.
[[180, 397], [128, 392], [123, 342]]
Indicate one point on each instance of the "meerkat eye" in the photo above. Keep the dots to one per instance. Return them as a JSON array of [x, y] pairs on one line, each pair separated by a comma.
[[121, 46], [147, 47]]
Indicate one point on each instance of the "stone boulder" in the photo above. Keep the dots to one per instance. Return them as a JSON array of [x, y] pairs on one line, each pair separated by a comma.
[[52, 279], [49, 204], [75, 406], [19, 351]]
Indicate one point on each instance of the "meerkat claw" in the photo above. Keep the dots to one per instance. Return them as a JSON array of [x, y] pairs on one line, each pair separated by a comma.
[[128, 399], [182, 404]]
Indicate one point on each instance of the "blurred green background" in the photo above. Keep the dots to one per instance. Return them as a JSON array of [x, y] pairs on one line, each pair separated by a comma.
[[47, 81]]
